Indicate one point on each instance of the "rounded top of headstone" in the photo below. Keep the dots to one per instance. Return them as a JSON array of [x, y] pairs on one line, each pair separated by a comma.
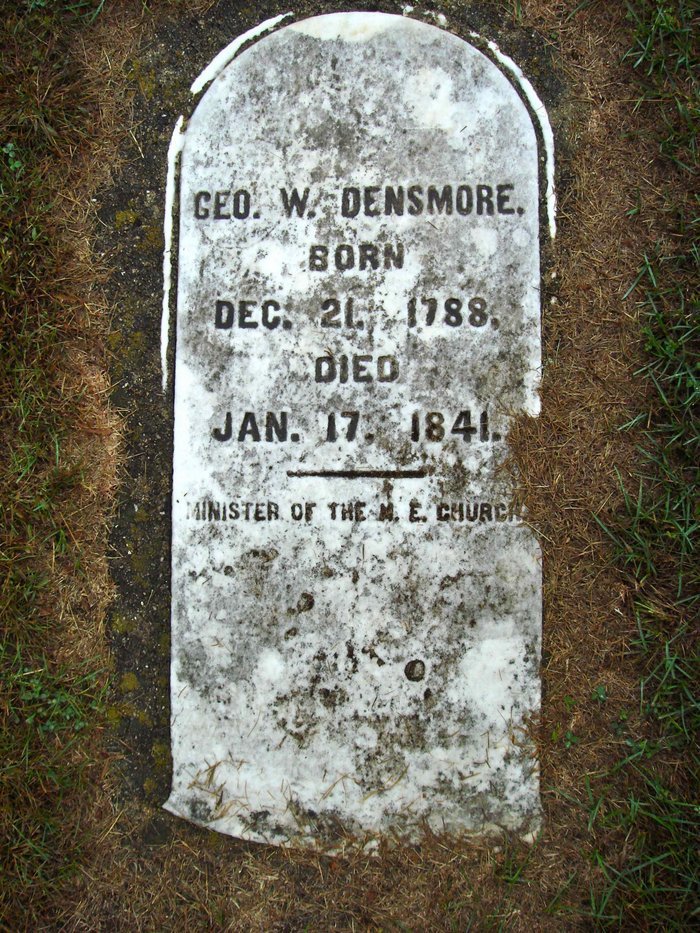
[[324, 83], [350, 27]]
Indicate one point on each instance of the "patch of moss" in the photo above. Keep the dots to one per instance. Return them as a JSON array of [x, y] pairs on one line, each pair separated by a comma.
[[128, 683], [152, 238], [121, 624], [141, 562], [125, 218], [145, 554], [116, 714], [135, 346], [146, 79], [142, 515], [215, 841], [140, 715], [160, 753]]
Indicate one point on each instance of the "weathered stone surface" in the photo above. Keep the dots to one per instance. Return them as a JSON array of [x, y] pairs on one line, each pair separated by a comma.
[[355, 610]]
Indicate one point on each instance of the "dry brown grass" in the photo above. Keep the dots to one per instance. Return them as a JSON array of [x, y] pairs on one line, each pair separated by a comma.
[[56, 512], [147, 871]]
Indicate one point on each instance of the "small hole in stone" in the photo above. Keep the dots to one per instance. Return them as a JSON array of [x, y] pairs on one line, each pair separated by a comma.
[[427, 694], [472, 623], [415, 670]]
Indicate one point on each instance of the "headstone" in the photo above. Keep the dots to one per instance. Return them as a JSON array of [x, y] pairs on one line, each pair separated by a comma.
[[355, 603]]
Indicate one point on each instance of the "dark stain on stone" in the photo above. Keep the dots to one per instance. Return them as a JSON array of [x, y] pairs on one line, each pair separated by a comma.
[[415, 670], [450, 581], [374, 656], [199, 811], [351, 655], [306, 602], [332, 698]]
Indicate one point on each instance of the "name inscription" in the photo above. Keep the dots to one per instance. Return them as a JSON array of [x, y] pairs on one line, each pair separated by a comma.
[[370, 201]]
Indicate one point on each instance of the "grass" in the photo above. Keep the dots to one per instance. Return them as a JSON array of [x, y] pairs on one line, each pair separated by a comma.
[[46, 710], [655, 539], [619, 846], [50, 702]]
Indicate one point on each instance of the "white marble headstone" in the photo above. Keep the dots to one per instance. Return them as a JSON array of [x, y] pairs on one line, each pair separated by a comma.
[[356, 610]]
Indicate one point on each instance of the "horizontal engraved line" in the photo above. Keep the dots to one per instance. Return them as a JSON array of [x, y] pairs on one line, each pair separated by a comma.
[[364, 474]]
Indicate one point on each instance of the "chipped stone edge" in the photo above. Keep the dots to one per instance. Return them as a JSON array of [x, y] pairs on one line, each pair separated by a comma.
[[540, 112], [177, 141], [220, 61]]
